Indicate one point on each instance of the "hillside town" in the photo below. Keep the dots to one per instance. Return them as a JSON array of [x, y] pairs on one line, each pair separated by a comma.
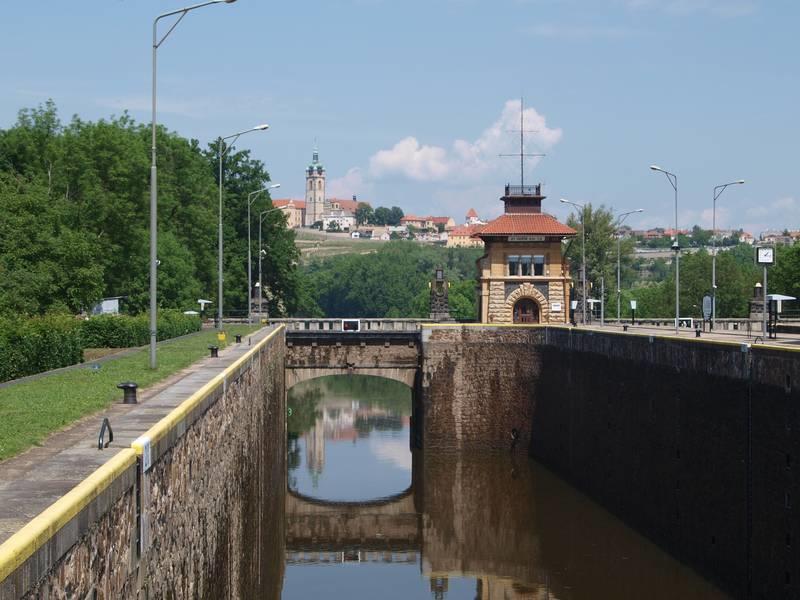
[[358, 219]]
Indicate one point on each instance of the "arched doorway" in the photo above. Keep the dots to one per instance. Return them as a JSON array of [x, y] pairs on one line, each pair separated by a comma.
[[526, 311]]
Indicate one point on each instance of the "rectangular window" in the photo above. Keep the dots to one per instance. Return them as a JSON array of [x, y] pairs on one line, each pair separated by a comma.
[[525, 265], [513, 265], [538, 265]]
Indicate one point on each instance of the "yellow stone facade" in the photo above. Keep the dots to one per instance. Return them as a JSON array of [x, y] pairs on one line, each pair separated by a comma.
[[499, 291]]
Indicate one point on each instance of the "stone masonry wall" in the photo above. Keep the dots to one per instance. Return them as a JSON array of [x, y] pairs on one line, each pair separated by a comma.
[[214, 504], [477, 386]]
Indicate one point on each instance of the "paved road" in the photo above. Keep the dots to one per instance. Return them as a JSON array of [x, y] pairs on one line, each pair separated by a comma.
[[32, 481]]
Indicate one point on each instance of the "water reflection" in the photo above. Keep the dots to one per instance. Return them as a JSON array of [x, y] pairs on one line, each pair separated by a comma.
[[341, 428], [457, 526]]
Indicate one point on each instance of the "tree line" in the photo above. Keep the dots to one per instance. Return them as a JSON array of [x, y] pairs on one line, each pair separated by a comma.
[[75, 203]]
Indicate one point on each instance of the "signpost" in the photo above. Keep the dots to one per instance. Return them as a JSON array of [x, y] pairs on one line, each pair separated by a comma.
[[708, 304], [633, 312], [765, 256]]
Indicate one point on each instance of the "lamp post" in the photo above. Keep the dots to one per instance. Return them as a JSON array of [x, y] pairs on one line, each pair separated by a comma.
[[261, 253], [221, 154], [583, 255], [676, 247], [250, 198], [717, 193], [154, 174], [620, 219]]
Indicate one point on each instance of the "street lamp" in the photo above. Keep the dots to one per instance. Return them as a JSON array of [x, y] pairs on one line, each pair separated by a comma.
[[673, 180], [717, 193], [221, 154], [620, 219], [583, 256], [261, 254], [154, 174], [250, 198]]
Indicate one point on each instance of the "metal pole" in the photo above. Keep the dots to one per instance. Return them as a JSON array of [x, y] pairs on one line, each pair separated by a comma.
[[677, 260], [714, 261], [249, 269], [764, 308], [619, 290], [219, 249], [260, 282], [153, 217], [583, 260]]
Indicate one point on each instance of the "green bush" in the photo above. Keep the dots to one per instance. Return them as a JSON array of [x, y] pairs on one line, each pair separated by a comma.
[[123, 331], [33, 345]]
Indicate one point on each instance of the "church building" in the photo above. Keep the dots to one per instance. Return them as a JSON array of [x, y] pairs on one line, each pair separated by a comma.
[[315, 190], [523, 276]]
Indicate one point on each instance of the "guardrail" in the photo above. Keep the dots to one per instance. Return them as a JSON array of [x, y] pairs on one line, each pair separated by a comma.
[[363, 325]]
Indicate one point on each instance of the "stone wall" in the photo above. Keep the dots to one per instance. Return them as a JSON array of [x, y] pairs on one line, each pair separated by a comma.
[[212, 502], [477, 387], [693, 443]]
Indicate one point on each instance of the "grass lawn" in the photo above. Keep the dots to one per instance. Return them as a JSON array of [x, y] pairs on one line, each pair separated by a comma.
[[31, 411]]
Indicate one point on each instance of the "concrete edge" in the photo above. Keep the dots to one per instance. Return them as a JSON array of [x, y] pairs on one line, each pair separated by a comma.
[[175, 418], [36, 533]]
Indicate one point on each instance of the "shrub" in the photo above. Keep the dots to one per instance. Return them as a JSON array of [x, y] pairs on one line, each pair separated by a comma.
[[123, 331], [33, 345]]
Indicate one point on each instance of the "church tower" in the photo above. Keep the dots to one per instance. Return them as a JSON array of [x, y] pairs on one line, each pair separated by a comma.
[[315, 190]]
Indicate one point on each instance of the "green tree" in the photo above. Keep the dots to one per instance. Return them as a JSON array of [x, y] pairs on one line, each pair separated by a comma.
[[382, 216], [364, 213]]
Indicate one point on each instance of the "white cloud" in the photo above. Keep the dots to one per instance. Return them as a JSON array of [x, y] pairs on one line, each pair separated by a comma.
[[464, 160], [352, 183], [722, 8], [392, 451], [781, 213]]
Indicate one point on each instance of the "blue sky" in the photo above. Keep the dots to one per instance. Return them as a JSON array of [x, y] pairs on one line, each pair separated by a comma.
[[409, 101]]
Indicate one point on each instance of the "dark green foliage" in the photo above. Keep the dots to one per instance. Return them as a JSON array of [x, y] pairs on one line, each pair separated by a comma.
[[124, 331], [75, 227], [29, 346], [393, 282]]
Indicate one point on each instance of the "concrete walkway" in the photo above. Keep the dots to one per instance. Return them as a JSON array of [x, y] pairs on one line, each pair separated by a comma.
[[32, 481], [788, 340]]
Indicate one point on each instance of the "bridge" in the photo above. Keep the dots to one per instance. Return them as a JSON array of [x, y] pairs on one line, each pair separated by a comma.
[[385, 525], [387, 348]]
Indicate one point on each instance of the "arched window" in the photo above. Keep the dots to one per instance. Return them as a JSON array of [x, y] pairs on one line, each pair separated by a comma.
[[310, 185], [319, 185]]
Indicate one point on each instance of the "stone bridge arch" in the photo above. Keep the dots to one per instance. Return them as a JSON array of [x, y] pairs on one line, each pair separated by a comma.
[[297, 375]]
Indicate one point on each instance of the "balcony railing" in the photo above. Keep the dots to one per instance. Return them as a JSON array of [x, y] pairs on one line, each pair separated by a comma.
[[524, 190]]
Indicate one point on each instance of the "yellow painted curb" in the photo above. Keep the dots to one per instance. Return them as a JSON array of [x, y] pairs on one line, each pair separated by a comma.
[[180, 412], [22, 545]]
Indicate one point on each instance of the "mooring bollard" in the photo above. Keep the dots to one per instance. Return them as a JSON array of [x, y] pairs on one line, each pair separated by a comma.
[[238, 339], [128, 392], [214, 351], [624, 328], [696, 333]]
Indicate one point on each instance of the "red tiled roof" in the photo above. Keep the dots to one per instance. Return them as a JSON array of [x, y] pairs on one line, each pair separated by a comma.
[[438, 219], [348, 205], [472, 214], [466, 230], [525, 223], [284, 201]]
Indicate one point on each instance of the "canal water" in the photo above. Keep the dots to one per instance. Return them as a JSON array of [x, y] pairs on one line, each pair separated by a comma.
[[368, 518]]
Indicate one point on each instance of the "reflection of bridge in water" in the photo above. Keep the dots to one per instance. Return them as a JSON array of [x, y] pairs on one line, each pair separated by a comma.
[[386, 524]]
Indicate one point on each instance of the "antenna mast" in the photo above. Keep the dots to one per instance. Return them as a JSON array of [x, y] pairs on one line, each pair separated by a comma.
[[522, 154]]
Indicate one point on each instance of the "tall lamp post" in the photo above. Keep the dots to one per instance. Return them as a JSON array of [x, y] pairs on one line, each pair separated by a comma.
[[676, 247], [250, 198], [221, 154], [717, 193], [583, 255], [154, 174], [261, 253], [620, 219]]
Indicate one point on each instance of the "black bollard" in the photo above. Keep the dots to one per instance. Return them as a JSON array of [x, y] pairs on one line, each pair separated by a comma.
[[238, 339], [214, 351], [696, 333], [128, 392], [624, 328]]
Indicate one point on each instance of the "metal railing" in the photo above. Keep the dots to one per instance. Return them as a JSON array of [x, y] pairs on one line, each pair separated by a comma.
[[524, 190]]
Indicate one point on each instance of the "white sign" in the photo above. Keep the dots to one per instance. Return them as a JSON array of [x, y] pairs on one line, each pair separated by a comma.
[[765, 255], [147, 460], [526, 238], [555, 306], [633, 304]]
